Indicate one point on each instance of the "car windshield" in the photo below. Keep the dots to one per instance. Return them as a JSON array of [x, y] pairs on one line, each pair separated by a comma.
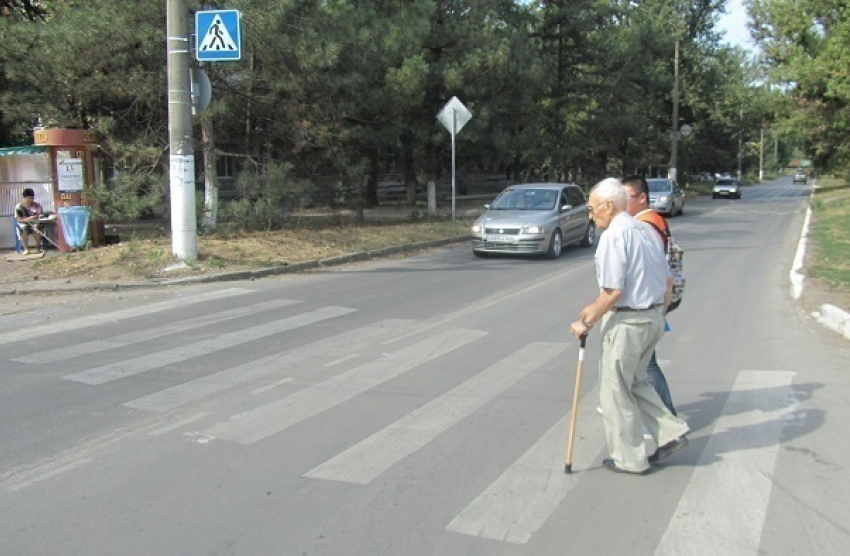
[[659, 186], [525, 199], [725, 182]]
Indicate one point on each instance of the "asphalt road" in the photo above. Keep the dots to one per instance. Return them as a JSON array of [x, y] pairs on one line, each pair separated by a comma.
[[419, 406]]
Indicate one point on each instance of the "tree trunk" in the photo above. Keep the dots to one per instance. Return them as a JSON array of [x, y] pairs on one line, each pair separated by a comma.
[[371, 193], [409, 174], [210, 218], [360, 197]]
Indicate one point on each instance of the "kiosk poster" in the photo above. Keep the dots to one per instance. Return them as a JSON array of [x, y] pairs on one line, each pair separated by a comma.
[[69, 174]]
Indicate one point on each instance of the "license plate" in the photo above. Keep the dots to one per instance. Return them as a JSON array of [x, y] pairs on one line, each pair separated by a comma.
[[501, 239]]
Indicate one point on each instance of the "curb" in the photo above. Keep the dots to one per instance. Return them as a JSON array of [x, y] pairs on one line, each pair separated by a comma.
[[829, 316], [33, 288], [834, 318]]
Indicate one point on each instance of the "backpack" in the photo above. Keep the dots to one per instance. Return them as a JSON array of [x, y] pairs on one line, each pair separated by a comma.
[[674, 259]]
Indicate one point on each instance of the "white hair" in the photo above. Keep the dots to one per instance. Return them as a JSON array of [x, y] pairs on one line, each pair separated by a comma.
[[611, 189]]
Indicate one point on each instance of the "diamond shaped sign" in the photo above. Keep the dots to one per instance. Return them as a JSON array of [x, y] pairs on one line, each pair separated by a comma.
[[454, 115]]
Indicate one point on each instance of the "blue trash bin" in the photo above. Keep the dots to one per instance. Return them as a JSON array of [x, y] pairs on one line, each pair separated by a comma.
[[75, 225]]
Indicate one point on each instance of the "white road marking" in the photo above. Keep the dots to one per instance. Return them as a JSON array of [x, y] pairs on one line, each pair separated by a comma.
[[122, 369], [177, 327], [364, 462], [181, 394], [271, 386], [341, 360], [176, 425], [520, 501], [730, 487], [497, 298], [270, 419], [72, 325], [51, 473]]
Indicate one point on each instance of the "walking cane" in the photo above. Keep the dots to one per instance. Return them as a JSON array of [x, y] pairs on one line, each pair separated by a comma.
[[569, 466]]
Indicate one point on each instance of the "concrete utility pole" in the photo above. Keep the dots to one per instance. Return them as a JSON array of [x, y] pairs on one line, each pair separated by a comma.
[[181, 178], [740, 137], [674, 129], [776, 150]]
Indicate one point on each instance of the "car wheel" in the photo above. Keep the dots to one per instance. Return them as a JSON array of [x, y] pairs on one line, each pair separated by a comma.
[[555, 245], [589, 235], [682, 209], [714, 196]]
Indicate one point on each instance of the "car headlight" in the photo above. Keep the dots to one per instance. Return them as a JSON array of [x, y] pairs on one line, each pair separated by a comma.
[[533, 230], [662, 199], [476, 228]]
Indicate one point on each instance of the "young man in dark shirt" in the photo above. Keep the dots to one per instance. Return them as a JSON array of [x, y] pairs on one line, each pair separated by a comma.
[[27, 213]]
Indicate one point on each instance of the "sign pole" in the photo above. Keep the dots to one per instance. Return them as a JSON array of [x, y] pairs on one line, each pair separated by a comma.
[[181, 157], [454, 116], [454, 133]]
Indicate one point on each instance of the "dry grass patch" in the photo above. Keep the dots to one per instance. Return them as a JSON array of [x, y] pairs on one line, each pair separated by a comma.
[[145, 253]]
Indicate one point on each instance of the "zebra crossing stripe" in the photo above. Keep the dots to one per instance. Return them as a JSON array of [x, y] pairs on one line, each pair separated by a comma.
[[122, 369], [171, 398], [121, 340], [365, 461], [520, 501], [32, 332], [730, 487], [270, 419], [49, 474]]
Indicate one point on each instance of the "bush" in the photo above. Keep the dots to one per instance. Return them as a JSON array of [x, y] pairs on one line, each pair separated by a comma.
[[127, 197], [269, 196]]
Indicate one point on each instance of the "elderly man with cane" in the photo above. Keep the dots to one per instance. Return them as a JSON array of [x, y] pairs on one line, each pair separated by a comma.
[[634, 290]]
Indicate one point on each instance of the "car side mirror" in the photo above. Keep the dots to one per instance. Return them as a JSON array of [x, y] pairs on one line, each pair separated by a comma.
[[565, 208], [487, 206]]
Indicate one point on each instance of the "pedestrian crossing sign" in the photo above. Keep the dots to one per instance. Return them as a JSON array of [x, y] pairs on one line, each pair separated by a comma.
[[218, 36]]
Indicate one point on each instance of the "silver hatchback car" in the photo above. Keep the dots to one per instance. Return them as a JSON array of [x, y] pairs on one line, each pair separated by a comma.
[[534, 219], [665, 196]]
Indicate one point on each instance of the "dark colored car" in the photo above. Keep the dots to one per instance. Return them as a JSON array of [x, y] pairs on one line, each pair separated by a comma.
[[534, 219]]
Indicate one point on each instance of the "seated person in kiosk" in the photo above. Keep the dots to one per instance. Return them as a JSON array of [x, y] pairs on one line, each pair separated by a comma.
[[27, 216]]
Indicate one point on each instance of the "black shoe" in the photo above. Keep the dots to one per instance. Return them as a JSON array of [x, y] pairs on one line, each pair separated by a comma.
[[611, 465], [668, 449]]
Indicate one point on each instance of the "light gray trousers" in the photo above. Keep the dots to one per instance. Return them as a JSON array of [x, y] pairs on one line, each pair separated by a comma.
[[628, 400]]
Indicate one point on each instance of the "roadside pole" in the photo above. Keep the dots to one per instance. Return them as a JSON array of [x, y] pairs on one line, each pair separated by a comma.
[[454, 116], [181, 158]]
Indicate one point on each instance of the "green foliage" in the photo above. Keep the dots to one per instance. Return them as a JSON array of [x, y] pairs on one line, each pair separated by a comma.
[[831, 208], [269, 195], [340, 93], [807, 44], [31, 10], [128, 197]]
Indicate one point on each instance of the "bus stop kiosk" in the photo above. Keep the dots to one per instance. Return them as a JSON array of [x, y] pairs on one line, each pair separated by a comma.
[[59, 166]]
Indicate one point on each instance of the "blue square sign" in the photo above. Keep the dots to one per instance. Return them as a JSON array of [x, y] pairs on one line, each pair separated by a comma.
[[218, 36]]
